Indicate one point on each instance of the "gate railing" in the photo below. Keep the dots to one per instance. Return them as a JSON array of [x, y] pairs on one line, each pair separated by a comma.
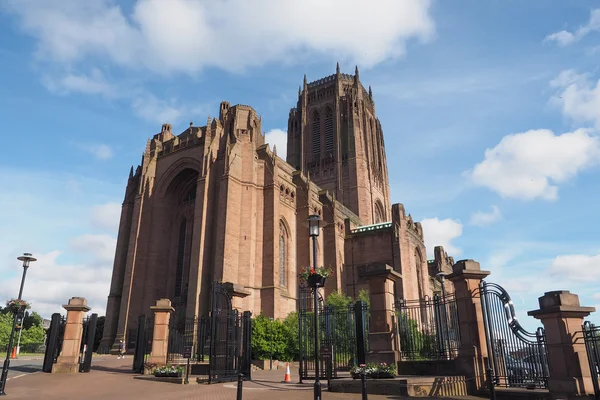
[[428, 328], [87, 342], [143, 342], [54, 341], [343, 331], [518, 358], [591, 336]]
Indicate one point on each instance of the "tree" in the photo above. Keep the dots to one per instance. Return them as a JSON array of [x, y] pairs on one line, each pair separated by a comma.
[[32, 319]]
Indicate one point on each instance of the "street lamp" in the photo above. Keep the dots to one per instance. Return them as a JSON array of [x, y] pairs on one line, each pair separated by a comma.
[[271, 339], [313, 232], [26, 258]]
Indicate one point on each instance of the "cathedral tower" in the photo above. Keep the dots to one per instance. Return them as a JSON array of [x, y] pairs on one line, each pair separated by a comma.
[[334, 136]]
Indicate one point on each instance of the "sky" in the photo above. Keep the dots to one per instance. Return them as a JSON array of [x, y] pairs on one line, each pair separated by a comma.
[[490, 111]]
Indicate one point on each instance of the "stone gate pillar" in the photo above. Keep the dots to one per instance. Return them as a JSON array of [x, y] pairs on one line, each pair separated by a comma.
[[68, 360], [160, 339], [562, 317], [466, 277], [381, 278]]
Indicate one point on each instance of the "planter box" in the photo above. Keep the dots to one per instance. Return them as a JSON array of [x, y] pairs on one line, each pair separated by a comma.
[[168, 375], [152, 378], [316, 281]]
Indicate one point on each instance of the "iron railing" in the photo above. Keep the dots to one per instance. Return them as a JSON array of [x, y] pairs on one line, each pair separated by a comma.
[[591, 336], [428, 328]]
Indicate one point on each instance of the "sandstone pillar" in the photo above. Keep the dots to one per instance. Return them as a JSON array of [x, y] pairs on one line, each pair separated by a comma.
[[381, 278], [68, 360], [562, 317], [160, 339], [472, 354]]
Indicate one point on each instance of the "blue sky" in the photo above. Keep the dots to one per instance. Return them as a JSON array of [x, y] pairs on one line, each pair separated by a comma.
[[490, 111]]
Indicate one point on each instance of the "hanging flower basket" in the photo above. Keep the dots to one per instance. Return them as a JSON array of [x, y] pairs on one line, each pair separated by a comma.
[[17, 306], [315, 278]]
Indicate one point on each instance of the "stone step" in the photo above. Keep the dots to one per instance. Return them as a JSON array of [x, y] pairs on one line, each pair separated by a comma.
[[412, 386]]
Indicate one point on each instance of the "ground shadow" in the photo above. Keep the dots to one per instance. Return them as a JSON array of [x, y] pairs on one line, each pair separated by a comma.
[[114, 370], [26, 368]]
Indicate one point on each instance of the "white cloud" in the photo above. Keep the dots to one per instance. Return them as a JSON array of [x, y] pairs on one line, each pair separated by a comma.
[[152, 108], [441, 232], [100, 151], [100, 247], [482, 218], [106, 216], [565, 38], [50, 283], [530, 165], [576, 267], [94, 83], [578, 97], [186, 36], [277, 137]]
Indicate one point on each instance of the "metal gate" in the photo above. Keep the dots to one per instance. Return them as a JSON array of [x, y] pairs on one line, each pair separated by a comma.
[[518, 358], [54, 341], [342, 336], [87, 342], [230, 338], [428, 328], [143, 342], [591, 336]]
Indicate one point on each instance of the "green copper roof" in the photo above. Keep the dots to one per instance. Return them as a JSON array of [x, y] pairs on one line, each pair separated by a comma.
[[373, 227]]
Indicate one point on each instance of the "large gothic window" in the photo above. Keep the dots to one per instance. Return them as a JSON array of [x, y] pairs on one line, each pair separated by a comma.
[[316, 135], [379, 216], [180, 258], [329, 143], [282, 253]]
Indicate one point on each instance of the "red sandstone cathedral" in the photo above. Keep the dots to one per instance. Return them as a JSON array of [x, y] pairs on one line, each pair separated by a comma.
[[216, 203]]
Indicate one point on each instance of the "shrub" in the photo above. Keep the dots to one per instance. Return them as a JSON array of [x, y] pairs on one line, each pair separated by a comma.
[[374, 371]]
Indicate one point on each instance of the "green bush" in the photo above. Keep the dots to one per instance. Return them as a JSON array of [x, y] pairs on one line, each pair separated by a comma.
[[279, 338]]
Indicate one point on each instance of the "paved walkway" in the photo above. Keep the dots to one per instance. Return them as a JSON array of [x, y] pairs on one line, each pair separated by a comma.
[[112, 379]]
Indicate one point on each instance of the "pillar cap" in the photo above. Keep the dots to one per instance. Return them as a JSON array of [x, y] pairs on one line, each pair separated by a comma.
[[467, 269], [236, 290], [561, 302], [162, 305], [77, 304]]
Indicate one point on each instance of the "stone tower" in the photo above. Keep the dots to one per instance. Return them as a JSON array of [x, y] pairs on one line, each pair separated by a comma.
[[334, 137]]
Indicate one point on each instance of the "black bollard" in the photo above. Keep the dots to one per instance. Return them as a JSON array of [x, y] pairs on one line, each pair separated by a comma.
[[363, 380], [239, 390], [187, 372]]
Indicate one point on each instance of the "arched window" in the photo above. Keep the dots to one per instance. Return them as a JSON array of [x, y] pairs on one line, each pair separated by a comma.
[[316, 135], [329, 143], [379, 216], [418, 264], [282, 253], [190, 196], [180, 257]]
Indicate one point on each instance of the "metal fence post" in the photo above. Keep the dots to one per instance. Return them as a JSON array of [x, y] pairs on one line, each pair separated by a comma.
[[140, 345], [363, 381], [359, 317], [239, 388]]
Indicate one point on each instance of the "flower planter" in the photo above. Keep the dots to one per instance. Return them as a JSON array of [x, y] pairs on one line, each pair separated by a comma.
[[316, 281], [168, 374]]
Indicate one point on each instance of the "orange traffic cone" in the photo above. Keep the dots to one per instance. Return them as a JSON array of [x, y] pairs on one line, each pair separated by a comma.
[[288, 376], [14, 353]]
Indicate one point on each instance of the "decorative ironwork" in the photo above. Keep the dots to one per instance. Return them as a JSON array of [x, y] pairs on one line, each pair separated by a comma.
[[591, 336], [55, 335], [518, 358], [342, 336], [428, 328]]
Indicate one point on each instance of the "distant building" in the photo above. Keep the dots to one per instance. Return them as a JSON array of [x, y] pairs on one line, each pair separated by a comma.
[[216, 203]]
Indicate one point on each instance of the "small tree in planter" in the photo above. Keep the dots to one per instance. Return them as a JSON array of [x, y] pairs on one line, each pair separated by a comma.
[[315, 277]]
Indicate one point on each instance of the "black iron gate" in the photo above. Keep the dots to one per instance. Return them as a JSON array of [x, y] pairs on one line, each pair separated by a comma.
[[230, 338], [591, 336], [428, 328], [518, 358], [87, 342], [54, 341], [342, 336], [143, 342]]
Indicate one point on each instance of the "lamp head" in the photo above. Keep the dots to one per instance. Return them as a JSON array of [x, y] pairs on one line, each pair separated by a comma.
[[441, 276], [313, 225], [26, 258]]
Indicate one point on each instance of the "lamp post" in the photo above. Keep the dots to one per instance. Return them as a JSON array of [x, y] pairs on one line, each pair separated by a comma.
[[313, 232], [26, 258], [442, 278]]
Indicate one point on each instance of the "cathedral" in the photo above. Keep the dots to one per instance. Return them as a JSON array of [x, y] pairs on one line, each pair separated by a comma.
[[216, 203]]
